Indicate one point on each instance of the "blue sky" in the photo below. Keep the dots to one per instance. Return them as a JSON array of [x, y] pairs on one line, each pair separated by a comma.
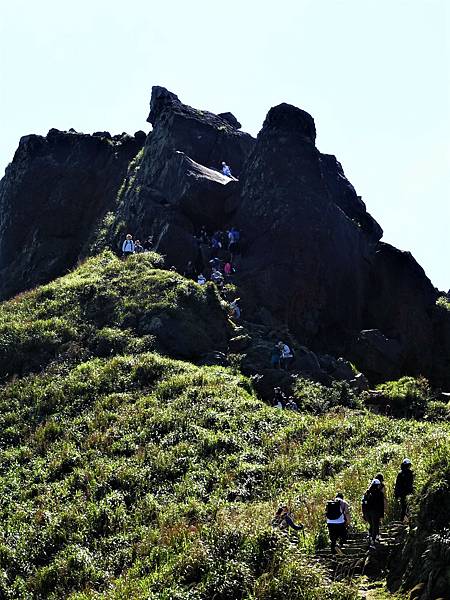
[[375, 75]]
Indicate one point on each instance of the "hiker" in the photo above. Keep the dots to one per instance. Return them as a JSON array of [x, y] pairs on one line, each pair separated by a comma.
[[215, 263], [283, 520], [404, 486], [227, 269], [128, 245], [138, 248], [291, 404], [380, 478], [338, 519], [275, 357], [201, 279], [287, 355], [189, 271], [226, 170], [148, 244], [234, 309], [278, 398], [373, 510], [217, 277]]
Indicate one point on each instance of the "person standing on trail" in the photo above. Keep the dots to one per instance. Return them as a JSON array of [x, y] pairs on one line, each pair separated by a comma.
[[404, 486], [337, 512], [380, 477], [287, 355], [226, 170], [128, 245], [373, 510]]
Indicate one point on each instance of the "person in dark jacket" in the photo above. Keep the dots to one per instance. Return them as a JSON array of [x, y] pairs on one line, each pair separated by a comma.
[[283, 519], [404, 486], [373, 510]]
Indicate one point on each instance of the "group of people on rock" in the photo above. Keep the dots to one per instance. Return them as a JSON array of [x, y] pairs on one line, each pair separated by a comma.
[[281, 356], [131, 246], [221, 240], [373, 506], [280, 401]]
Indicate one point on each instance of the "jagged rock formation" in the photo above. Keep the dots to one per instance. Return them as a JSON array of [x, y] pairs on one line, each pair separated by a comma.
[[53, 195], [312, 261], [177, 186]]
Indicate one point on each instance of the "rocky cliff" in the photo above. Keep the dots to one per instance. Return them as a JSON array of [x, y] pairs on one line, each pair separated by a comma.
[[311, 261], [52, 198]]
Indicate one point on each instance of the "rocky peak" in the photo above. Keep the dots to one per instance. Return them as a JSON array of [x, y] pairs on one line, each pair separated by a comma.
[[290, 121]]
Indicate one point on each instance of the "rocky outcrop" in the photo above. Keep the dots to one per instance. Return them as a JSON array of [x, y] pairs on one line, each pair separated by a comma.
[[309, 240], [177, 184], [53, 195]]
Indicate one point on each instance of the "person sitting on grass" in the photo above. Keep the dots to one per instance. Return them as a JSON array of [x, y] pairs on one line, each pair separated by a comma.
[[201, 279], [279, 398], [291, 404], [283, 520]]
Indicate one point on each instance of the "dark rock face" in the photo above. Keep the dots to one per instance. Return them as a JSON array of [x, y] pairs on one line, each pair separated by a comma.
[[378, 356], [51, 200], [401, 303], [309, 241], [177, 185]]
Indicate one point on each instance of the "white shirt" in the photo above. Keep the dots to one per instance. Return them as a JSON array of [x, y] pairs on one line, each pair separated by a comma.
[[341, 519]]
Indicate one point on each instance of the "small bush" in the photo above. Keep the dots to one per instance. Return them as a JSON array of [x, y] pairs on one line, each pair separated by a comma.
[[407, 396]]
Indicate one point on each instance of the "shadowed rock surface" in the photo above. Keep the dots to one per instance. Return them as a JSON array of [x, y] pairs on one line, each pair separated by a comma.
[[53, 195]]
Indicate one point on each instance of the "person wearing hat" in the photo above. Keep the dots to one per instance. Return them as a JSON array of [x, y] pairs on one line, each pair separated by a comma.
[[128, 245], [226, 170], [373, 510], [404, 486]]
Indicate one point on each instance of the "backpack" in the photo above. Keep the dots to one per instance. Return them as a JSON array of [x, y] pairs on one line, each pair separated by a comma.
[[334, 510]]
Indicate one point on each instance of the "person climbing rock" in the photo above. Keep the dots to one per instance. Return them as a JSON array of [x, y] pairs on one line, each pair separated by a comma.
[[201, 279], [226, 170], [291, 404], [189, 271], [138, 248], [217, 277], [128, 245], [275, 357], [228, 269], [283, 519], [373, 510], [404, 485], [337, 512], [148, 244], [235, 311], [287, 355]]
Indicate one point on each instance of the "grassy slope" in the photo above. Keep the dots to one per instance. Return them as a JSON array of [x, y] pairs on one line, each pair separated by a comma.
[[138, 476]]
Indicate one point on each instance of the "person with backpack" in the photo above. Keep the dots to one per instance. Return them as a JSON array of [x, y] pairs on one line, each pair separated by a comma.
[[287, 356], [404, 485], [373, 510], [283, 520], [275, 357], [338, 517], [128, 245]]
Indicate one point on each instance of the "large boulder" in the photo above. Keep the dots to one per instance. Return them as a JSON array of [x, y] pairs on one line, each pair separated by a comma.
[[401, 303], [52, 198], [308, 239]]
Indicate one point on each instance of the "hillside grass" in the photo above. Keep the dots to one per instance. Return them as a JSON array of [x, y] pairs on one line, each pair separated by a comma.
[[140, 476], [108, 306], [128, 474]]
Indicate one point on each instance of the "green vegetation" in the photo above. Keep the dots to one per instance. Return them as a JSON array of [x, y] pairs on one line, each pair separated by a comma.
[[407, 396], [128, 474], [109, 306], [443, 302]]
